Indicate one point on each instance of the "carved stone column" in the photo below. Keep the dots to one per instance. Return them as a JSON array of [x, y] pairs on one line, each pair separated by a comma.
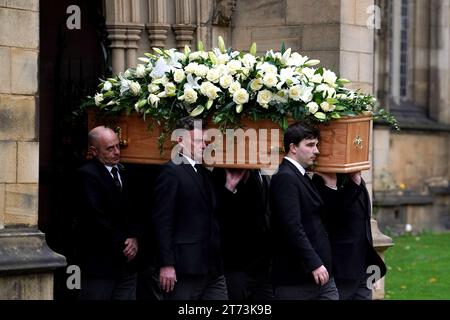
[[157, 26], [133, 36], [184, 34], [117, 35], [184, 28], [124, 30]]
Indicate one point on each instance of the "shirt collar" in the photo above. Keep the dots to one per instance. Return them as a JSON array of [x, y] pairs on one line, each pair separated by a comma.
[[297, 165], [110, 168], [191, 162]]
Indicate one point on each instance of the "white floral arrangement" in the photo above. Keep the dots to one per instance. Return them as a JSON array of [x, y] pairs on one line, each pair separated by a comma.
[[223, 85]]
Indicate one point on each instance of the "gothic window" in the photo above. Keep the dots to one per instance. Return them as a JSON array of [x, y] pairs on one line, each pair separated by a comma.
[[398, 32]]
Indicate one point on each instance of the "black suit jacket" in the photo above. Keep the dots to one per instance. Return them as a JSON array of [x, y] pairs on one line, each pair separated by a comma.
[[349, 227], [244, 222], [185, 222], [300, 239], [105, 221]]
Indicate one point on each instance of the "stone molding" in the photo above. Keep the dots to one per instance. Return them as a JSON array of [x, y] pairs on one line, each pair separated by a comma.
[[26, 251]]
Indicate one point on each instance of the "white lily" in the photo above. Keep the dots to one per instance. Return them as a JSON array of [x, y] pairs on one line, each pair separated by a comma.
[[160, 69], [191, 82]]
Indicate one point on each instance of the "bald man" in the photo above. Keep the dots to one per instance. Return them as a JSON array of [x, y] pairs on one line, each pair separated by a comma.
[[107, 229]]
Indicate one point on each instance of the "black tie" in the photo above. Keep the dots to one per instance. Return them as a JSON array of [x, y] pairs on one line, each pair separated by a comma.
[[115, 174]]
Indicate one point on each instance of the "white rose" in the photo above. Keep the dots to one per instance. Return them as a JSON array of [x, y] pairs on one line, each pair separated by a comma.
[[140, 71], [201, 70], [152, 88], [329, 77], [194, 56], [226, 81], [264, 97], [179, 75], [312, 107], [223, 58], [191, 67], [170, 88], [235, 86], [153, 100], [98, 98], [233, 66], [211, 92], [240, 96], [325, 106], [267, 68], [213, 75], [248, 60], [294, 93], [270, 80], [190, 96], [135, 88], [107, 86], [256, 84]]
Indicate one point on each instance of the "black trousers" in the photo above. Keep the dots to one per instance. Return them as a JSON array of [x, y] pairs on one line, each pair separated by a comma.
[[309, 291], [120, 287], [198, 287], [353, 289], [246, 285]]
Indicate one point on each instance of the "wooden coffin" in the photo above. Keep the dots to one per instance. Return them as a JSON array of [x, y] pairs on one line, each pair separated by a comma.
[[344, 145]]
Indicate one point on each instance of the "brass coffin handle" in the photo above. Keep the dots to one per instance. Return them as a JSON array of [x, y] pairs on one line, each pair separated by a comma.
[[122, 141], [358, 142]]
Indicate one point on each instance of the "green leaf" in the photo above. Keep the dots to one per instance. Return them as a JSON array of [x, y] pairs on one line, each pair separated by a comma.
[[283, 47], [108, 94], [197, 111], [332, 100], [320, 115], [335, 115], [209, 104]]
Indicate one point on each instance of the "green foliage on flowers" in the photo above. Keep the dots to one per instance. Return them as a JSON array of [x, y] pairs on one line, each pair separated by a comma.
[[225, 85]]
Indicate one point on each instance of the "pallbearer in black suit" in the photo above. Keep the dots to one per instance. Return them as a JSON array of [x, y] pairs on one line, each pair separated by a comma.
[[354, 258], [245, 235], [107, 229], [301, 266], [185, 223]]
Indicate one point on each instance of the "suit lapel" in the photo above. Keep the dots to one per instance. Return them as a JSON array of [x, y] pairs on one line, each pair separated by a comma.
[[196, 178], [106, 176], [307, 184]]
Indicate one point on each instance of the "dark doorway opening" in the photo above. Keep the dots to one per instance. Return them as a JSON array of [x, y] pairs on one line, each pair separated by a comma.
[[70, 64]]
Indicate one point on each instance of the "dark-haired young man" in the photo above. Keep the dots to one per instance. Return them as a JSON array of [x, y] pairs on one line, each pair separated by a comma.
[[301, 267]]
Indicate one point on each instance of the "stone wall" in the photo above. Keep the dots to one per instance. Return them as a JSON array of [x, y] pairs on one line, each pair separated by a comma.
[[19, 149], [26, 262]]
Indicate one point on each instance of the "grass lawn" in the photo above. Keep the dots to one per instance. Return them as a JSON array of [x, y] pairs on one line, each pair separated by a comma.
[[419, 268]]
